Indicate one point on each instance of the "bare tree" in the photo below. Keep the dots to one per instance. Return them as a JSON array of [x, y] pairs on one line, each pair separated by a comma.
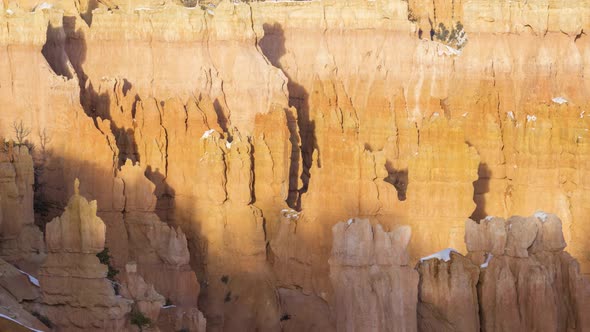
[[44, 140], [21, 132]]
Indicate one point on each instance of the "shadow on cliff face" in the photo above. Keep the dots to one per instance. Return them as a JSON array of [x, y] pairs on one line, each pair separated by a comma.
[[273, 47], [480, 188], [54, 51]]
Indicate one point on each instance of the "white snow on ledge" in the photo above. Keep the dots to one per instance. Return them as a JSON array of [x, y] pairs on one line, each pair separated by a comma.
[[19, 323], [559, 100], [541, 215], [208, 133], [488, 259], [447, 50], [32, 279], [44, 5], [444, 255], [9, 12], [531, 118]]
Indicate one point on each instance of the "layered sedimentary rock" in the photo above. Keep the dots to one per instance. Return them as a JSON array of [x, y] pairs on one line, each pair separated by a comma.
[[17, 289], [238, 111], [21, 241], [146, 299], [507, 78], [159, 251], [448, 294], [516, 277], [76, 295], [374, 288], [528, 282]]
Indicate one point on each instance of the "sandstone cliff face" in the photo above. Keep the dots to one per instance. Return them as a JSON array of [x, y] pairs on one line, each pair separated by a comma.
[[76, 295], [239, 111], [500, 88]]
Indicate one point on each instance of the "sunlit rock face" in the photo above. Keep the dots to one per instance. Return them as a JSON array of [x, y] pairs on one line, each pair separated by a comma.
[[253, 128]]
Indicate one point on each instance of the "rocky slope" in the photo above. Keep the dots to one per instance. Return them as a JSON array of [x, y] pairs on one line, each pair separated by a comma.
[[223, 143]]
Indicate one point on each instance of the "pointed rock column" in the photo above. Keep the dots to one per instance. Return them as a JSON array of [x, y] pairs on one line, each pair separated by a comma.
[[76, 295]]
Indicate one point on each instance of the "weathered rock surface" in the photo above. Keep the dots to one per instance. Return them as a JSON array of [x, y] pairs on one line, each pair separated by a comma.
[[16, 290], [145, 298], [532, 285], [395, 129], [159, 251], [76, 295], [21, 241], [516, 277], [374, 288], [448, 294]]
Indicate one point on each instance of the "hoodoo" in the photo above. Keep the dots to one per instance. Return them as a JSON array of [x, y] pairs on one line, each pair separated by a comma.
[[294, 165]]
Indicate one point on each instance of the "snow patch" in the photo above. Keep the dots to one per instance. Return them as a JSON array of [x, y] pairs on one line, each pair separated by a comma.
[[465, 114], [488, 259], [447, 50], [541, 215], [488, 218], [559, 100], [350, 221], [32, 279], [208, 133], [168, 306], [444, 255], [435, 114], [290, 214], [19, 323], [531, 118], [582, 114], [510, 115], [228, 145], [210, 12], [44, 5], [9, 12]]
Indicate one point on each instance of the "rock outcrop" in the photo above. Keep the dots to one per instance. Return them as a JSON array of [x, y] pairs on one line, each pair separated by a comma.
[[239, 111], [17, 290], [516, 277], [374, 288], [448, 294], [528, 282], [76, 295], [146, 299], [159, 251], [21, 241]]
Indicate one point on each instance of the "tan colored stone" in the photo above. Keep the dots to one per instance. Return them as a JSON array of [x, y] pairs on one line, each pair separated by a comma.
[[76, 294], [448, 299], [373, 290]]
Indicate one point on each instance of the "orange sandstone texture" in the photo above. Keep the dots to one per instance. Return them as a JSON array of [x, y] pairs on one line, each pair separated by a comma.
[[253, 128]]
